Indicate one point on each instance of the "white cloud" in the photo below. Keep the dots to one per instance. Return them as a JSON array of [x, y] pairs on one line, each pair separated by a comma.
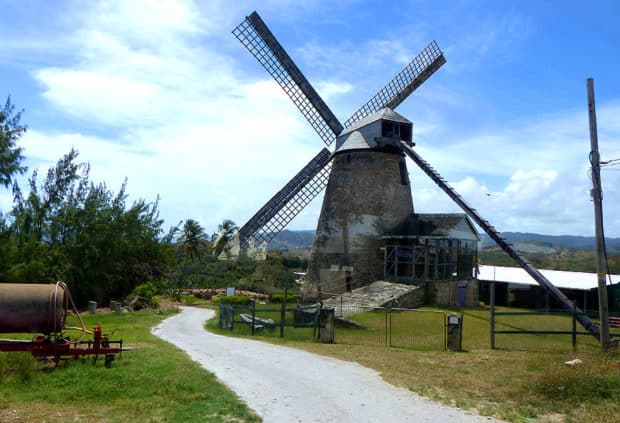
[[176, 113], [188, 127], [114, 100], [528, 185], [530, 177]]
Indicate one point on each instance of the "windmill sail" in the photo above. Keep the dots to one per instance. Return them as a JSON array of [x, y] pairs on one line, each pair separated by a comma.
[[258, 39], [398, 89], [554, 292], [288, 202]]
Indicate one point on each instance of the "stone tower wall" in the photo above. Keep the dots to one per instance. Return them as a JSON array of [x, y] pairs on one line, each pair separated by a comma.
[[367, 193]]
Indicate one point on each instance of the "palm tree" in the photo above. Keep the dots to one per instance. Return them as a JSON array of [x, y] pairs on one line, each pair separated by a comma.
[[192, 240], [225, 232]]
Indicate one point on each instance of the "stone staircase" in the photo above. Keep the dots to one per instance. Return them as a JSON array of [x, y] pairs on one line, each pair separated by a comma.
[[377, 294]]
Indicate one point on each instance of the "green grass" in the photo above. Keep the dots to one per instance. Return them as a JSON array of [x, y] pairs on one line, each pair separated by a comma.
[[153, 382], [525, 379]]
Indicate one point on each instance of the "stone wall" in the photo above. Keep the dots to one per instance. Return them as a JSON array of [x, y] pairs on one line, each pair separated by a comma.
[[412, 299], [366, 194], [445, 292]]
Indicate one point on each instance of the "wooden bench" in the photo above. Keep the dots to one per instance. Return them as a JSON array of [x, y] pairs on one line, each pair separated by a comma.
[[614, 322]]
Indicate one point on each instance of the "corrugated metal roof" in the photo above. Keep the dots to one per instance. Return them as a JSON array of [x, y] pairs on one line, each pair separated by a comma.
[[559, 278]]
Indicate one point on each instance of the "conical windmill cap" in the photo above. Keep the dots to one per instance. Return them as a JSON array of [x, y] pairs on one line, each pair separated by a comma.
[[361, 135]]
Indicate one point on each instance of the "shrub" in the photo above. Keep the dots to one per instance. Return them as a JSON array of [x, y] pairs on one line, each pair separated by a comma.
[[190, 299], [148, 291], [155, 301], [233, 299], [278, 297]]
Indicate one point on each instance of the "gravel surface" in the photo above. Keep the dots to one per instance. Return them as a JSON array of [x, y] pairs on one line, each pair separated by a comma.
[[288, 385]]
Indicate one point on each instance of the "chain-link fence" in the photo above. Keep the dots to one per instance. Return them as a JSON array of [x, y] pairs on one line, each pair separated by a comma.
[[395, 327], [363, 326], [419, 329], [270, 320], [422, 329]]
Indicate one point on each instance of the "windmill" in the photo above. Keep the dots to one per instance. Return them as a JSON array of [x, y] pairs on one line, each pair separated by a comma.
[[358, 158], [366, 178]]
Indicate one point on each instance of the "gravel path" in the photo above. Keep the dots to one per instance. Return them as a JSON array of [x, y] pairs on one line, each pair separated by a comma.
[[288, 385]]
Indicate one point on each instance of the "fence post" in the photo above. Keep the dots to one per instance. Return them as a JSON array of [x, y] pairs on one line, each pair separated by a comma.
[[253, 315], [492, 315], [317, 320], [388, 315], [232, 317], [574, 326], [461, 335], [445, 332], [283, 313]]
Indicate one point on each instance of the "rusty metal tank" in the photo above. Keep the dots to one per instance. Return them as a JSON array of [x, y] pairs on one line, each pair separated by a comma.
[[33, 308]]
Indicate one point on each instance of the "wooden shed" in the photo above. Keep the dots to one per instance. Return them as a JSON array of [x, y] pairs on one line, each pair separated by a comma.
[[430, 247]]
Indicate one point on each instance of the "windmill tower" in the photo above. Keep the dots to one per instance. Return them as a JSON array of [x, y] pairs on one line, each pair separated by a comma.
[[368, 192], [366, 177]]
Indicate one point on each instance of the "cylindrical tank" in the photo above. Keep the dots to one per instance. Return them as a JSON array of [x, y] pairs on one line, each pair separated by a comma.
[[32, 308]]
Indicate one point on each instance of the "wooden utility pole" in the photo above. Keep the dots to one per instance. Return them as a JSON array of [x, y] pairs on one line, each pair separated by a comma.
[[597, 199]]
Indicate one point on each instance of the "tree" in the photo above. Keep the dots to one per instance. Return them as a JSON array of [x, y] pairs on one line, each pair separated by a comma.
[[192, 242], [68, 228], [10, 155], [225, 231], [273, 274]]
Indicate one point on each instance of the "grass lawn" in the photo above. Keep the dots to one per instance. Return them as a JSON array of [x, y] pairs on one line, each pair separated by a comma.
[[525, 380], [153, 382]]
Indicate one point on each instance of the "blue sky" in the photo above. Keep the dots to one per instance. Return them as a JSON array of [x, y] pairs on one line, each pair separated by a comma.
[[163, 94]]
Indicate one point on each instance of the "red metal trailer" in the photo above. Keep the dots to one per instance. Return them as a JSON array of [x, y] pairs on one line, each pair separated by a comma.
[[43, 309]]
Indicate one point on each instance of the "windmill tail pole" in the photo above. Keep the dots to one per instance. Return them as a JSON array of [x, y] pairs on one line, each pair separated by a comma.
[[554, 292]]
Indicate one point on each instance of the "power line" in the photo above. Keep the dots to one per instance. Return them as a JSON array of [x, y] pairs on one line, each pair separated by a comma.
[[610, 162]]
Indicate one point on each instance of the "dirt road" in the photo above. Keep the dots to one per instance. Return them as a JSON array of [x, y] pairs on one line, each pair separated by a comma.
[[288, 385]]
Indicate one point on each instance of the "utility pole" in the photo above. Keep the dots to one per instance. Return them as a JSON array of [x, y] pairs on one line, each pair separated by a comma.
[[597, 198]]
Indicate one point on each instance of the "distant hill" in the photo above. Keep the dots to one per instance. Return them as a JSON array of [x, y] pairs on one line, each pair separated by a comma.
[[548, 243], [289, 240], [527, 242]]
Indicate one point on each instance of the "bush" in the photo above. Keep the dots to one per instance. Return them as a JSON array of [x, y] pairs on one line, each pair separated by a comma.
[[278, 297], [155, 301], [147, 291], [233, 299], [190, 299]]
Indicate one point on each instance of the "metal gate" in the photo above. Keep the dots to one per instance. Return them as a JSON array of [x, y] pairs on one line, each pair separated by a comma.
[[396, 327], [417, 329]]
